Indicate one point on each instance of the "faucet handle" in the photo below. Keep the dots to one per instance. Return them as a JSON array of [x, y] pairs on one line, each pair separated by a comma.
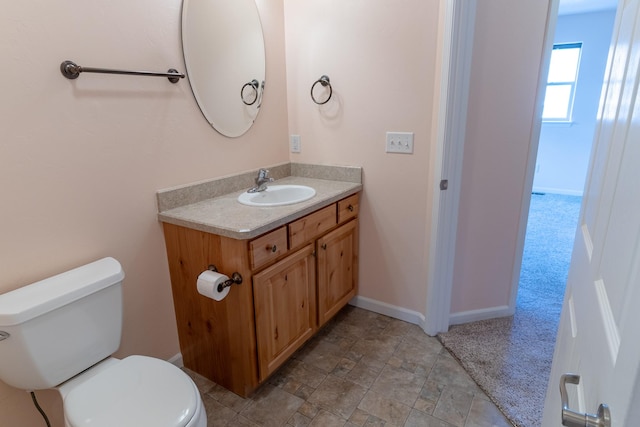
[[262, 176]]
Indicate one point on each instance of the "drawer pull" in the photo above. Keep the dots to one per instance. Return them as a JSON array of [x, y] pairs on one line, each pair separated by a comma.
[[350, 207], [274, 249]]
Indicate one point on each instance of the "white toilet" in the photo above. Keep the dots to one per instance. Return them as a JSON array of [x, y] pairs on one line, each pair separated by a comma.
[[60, 333]]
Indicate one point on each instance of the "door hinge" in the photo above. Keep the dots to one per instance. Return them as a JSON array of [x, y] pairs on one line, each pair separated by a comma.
[[444, 184]]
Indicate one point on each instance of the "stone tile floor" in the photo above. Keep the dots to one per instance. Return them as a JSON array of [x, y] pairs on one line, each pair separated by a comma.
[[362, 369]]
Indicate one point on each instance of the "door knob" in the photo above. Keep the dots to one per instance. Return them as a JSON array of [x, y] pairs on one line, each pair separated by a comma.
[[571, 418]]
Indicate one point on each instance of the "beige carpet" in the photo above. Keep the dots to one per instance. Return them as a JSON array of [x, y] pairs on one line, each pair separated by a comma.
[[510, 358]]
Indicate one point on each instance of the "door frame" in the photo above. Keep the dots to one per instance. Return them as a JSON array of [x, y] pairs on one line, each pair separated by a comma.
[[458, 20]]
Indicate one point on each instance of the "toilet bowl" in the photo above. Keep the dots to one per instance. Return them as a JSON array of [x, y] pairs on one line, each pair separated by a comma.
[[60, 333], [135, 391]]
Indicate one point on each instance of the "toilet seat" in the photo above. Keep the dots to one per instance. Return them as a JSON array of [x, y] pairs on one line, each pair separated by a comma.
[[135, 391]]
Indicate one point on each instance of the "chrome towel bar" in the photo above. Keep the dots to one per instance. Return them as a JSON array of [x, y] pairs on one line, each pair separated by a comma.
[[71, 70]]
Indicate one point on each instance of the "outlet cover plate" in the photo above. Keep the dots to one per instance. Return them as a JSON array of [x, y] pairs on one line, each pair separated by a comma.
[[294, 144], [399, 142]]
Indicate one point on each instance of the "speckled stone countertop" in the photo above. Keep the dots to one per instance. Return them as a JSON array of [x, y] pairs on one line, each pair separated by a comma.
[[212, 206]]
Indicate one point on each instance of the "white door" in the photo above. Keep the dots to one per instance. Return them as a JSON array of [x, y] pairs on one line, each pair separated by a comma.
[[599, 334]]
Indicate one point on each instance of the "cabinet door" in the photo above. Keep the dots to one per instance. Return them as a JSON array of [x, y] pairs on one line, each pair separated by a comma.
[[285, 307], [337, 270]]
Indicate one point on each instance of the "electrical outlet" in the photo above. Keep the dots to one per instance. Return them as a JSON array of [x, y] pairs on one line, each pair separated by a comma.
[[399, 142], [294, 144]]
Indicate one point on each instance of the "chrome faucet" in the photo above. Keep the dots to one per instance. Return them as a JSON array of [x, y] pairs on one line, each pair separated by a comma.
[[261, 181]]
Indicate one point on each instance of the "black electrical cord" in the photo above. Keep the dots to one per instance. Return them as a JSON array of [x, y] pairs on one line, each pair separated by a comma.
[[35, 402]]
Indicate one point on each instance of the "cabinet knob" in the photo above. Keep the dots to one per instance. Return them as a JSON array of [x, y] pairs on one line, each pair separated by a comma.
[[324, 246], [274, 249], [350, 207]]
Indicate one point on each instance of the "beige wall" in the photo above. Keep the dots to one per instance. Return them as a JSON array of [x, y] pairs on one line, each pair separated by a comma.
[[80, 161], [381, 57], [507, 53]]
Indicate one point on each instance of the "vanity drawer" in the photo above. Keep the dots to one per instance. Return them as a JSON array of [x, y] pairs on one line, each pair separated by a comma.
[[348, 208], [268, 247], [311, 226]]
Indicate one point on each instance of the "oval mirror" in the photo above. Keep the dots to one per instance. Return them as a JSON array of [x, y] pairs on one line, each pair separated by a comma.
[[224, 54]]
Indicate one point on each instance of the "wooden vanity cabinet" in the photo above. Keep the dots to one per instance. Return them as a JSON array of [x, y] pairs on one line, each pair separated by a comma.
[[295, 278], [217, 338]]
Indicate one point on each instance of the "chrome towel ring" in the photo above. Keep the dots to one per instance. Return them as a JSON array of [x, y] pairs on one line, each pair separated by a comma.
[[254, 85], [324, 81]]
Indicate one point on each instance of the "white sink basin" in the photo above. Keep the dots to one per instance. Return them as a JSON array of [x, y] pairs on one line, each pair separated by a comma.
[[278, 195]]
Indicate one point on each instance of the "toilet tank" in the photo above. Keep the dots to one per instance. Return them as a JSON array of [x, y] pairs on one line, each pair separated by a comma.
[[58, 327]]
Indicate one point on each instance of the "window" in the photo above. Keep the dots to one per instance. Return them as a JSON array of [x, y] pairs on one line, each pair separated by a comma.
[[561, 82]]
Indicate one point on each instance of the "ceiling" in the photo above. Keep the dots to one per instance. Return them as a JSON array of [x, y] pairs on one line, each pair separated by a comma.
[[568, 7]]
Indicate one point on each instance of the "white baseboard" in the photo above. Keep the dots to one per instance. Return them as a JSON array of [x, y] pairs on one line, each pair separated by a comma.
[[396, 312], [562, 191], [177, 360], [482, 314]]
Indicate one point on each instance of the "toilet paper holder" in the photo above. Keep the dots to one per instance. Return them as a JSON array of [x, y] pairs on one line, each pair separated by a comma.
[[235, 278]]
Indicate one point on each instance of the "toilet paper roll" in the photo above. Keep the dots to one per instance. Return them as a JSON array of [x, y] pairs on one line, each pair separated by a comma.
[[208, 282]]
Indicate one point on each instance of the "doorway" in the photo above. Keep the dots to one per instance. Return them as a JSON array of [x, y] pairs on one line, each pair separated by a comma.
[[510, 356], [563, 157]]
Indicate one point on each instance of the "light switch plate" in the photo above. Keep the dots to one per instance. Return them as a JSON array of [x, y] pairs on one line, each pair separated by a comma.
[[399, 142]]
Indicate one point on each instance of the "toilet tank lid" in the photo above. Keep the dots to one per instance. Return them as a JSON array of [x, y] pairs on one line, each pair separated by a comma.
[[36, 299]]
